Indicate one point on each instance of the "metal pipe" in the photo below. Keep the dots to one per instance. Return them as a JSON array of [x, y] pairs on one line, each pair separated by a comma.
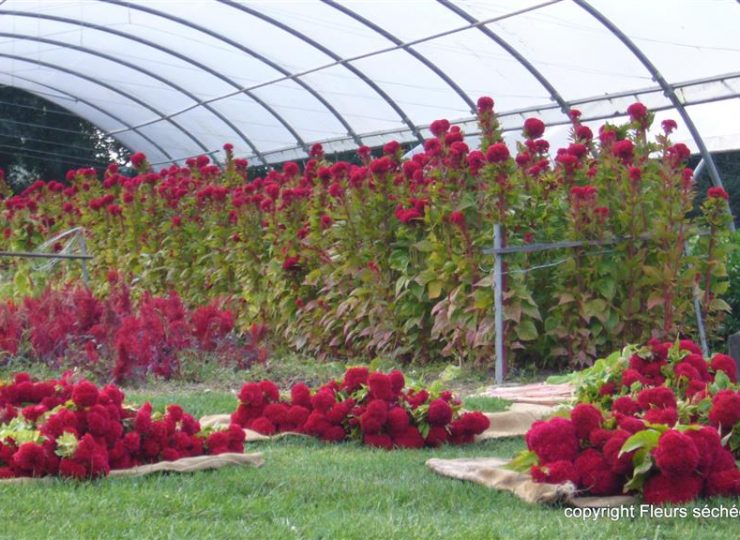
[[498, 298]]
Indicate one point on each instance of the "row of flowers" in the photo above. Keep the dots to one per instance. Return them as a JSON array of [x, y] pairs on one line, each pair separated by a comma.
[[661, 420], [373, 407], [385, 255], [118, 338], [78, 430]]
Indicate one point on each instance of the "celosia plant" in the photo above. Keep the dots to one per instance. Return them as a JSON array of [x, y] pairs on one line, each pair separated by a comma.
[[77, 430], [385, 256], [373, 407], [660, 420]]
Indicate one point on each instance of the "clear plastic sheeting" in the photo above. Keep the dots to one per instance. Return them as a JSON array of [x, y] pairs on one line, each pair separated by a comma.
[[179, 79]]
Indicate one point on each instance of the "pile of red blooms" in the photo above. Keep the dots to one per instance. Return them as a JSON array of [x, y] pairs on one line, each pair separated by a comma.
[[373, 407], [665, 421], [77, 430], [119, 338]]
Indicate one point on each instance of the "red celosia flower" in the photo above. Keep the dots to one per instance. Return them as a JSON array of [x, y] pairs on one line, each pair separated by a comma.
[[585, 418], [439, 127], [497, 153], [440, 413], [619, 465], [637, 112], [624, 150], [708, 444], [722, 362], [410, 438], [667, 416], [669, 126], [398, 420], [630, 423], [662, 489], [397, 381], [457, 218], [323, 400], [718, 193], [263, 425], [30, 459], [553, 440], [378, 440], [676, 454], [300, 394], [595, 475], [297, 415], [630, 377], [557, 472], [660, 397], [485, 104], [534, 128], [354, 378], [723, 484], [626, 405], [725, 410], [688, 345], [85, 394], [437, 436], [380, 385]]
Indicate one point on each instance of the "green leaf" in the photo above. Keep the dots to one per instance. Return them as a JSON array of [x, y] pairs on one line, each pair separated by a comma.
[[523, 461], [435, 289], [719, 305], [647, 438], [526, 330], [608, 288]]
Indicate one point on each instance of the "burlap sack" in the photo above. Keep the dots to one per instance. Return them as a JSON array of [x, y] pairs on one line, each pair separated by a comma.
[[538, 393], [511, 423], [491, 473], [184, 465]]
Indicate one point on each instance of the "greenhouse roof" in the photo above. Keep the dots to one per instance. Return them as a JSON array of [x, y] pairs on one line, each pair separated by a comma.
[[176, 79]]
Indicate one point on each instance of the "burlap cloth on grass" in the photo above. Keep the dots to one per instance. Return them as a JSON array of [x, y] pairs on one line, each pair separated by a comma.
[[490, 473], [511, 423], [538, 393], [184, 465]]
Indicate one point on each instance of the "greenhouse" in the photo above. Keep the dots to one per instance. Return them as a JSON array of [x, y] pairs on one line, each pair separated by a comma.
[[424, 268]]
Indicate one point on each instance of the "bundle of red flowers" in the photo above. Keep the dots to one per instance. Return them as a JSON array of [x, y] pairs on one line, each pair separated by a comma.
[[77, 430], [374, 407], [661, 420]]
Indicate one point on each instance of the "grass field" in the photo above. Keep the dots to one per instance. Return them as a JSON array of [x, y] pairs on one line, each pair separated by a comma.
[[308, 489]]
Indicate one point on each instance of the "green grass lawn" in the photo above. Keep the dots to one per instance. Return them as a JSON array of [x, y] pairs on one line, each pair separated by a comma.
[[308, 489]]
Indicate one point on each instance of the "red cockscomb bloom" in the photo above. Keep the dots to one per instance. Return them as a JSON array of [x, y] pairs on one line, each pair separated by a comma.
[[534, 128], [585, 418], [553, 440], [595, 474], [626, 405], [354, 378], [440, 413], [725, 410], [662, 489], [722, 362], [660, 397], [85, 394], [676, 454], [380, 385], [557, 472], [497, 153]]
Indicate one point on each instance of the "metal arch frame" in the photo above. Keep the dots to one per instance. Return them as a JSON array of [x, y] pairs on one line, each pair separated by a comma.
[[96, 107], [413, 52], [104, 85], [133, 67], [160, 48], [668, 90], [244, 49], [337, 58], [536, 73]]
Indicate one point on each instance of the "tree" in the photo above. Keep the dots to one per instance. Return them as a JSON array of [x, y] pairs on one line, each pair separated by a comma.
[[39, 139]]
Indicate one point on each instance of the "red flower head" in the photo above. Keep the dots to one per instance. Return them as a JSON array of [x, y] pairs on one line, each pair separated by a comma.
[[595, 475], [497, 153], [638, 113], [397, 381], [676, 454], [398, 420], [485, 104], [440, 413], [667, 416], [662, 489], [660, 397], [439, 127], [612, 447], [725, 410], [669, 126], [717, 193], [380, 386], [251, 395], [583, 133], [378, 441], [585, 418], [457, 218], [391, 148], [624, 150], [138, 160], [317, 151], [375, 416], [722, 362], [30, 459], [300, 394], [85, 394], [323, 400], [534, 128], [410, 438], [354, 378], [553, 440], [557, 472]]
